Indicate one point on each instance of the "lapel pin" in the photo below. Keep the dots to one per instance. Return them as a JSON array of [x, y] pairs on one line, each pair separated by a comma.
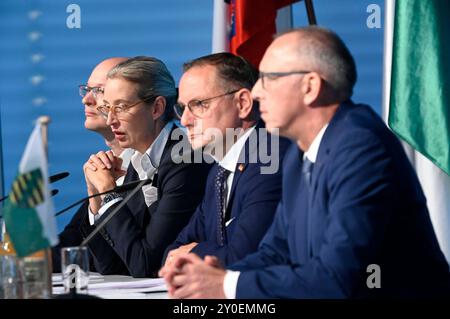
[[241, 167]]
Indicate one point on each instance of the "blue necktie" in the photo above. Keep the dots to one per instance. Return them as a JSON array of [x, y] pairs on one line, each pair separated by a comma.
[[307, 168], [220, 189]]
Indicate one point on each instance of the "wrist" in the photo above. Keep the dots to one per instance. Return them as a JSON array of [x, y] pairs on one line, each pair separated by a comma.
[[106, 187]]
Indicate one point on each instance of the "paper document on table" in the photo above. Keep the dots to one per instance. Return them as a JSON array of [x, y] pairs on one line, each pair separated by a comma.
[[117, 286], [142, 284]]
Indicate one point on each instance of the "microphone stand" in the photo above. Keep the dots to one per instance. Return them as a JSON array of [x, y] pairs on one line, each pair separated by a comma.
[[73, 294], [118, 189], [82, 200], [51, 179], [114, 212]]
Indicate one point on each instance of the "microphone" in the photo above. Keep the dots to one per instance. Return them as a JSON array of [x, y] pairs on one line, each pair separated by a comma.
[[100, 226], [53, 192], [118, 189], [136, 186], [51, 179], [57, 177]]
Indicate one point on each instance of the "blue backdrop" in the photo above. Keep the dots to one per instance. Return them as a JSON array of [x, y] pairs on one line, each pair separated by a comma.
[[42, 61]]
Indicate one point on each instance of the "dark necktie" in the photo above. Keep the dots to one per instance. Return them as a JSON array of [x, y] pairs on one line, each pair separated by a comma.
[[220, 189], [307, 168]]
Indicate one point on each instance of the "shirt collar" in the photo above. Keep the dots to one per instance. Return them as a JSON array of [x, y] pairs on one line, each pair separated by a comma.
[[313, 150], [150, 163], [230, 159], [126, 157]]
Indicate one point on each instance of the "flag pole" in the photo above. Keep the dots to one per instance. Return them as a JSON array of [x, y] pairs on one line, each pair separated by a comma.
[[44, 121], [310, 11]]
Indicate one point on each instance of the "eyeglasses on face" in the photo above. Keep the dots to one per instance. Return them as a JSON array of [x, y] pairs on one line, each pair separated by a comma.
[[198, 107], [96, 90], [271, 76], [116, 109]]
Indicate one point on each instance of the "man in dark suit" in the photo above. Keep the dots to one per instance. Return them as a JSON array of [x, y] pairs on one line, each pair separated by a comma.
[[92, 94], [138, 99], [240, 197], [353, 221]]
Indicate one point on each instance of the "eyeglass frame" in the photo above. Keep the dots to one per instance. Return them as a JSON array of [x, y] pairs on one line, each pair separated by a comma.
[[199, 104], [123, 108], [277, 75], [94, 89]]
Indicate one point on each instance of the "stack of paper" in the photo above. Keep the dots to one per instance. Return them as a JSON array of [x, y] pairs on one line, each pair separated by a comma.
[[120, 287]]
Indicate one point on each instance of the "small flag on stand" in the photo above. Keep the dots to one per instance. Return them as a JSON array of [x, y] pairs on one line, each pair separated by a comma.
[[29, 210]]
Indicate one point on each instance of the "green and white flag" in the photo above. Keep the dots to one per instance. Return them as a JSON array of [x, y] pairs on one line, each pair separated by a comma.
[[29, 210], [417, 97]]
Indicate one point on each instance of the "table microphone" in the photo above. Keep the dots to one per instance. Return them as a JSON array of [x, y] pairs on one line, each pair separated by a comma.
[[118, 189], [100, 226], [51, 179], [136, 186], [57, 177], [53, 192]]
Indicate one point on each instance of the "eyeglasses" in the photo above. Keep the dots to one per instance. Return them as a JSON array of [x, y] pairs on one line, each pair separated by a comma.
[[271, 76], [115, 109], [197, 107], [96, 90]]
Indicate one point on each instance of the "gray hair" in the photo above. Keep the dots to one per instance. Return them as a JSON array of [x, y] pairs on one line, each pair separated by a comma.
[[153, 80], [329, 56]]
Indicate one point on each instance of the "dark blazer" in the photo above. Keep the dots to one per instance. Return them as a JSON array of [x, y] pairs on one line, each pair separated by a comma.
[[134, 240], [366, 207], [251, 206]]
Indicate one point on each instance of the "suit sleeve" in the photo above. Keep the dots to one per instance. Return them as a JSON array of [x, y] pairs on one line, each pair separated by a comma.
[[102, 256], [142, 250], [361, 196], [268, 254], [74, 233], [194, 231]]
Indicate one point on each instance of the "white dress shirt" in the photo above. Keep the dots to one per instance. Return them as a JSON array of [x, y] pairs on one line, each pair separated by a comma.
[[232, 277], [146, 165], [230, 161]]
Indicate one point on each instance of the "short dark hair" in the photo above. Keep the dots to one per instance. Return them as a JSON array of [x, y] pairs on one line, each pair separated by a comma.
[[153, 79], [233, 70]]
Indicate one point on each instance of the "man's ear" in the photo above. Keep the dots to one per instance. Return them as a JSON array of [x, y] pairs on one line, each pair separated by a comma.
[[244, 103], [311, 87], [159, 106]]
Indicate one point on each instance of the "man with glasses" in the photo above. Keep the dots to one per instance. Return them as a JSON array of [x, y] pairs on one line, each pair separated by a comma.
[[92, 97], [216, 107], [92, 94], [138, 106], [352, 221]]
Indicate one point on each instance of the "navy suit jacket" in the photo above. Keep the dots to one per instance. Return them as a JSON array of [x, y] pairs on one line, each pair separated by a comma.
[[251, 207], [365, 207], [134, 240]]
